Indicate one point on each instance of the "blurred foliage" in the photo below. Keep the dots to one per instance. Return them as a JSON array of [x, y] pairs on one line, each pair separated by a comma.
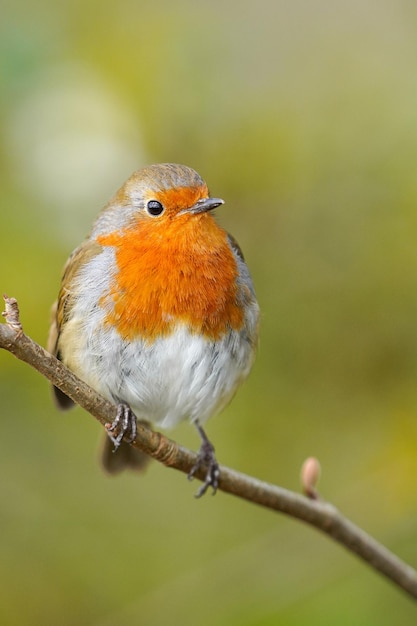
[[303, 116]]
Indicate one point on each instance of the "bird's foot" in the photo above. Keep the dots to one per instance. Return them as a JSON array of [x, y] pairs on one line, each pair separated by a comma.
[[125, 425], [206, 458]]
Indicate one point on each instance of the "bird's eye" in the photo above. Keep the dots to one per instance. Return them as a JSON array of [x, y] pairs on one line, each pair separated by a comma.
[[154, 207]]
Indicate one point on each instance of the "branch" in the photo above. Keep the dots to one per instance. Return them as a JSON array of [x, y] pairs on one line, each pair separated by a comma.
[[311, 509]]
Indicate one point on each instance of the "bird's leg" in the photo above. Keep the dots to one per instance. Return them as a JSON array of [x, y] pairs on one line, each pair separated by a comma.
[[206, 458], [124, 423]]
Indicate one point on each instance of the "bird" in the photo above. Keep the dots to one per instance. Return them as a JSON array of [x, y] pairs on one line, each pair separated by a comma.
[[157, 312]]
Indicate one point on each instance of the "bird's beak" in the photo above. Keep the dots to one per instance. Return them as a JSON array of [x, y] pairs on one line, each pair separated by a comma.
[[205, 204]]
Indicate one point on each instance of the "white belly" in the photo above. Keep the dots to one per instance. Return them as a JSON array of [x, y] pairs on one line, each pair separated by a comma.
[[179, 377]]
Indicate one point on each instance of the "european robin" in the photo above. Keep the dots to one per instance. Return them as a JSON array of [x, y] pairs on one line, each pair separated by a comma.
[[157, 311]]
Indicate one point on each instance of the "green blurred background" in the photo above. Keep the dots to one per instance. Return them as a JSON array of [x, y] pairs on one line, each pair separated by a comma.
[[303, 116]]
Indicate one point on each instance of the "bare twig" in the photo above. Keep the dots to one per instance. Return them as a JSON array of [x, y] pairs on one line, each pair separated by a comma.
[[311, 510]]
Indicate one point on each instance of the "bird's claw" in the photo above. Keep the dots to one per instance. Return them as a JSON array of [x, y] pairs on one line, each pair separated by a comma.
[[206, 458], [125, 424]]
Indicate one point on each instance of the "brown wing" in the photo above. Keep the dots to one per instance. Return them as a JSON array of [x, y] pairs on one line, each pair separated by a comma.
[[235, 246], [61, 309], [126, 456]]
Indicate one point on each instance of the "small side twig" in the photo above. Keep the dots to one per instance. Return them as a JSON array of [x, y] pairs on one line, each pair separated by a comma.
[[310, 508], [12, 314]]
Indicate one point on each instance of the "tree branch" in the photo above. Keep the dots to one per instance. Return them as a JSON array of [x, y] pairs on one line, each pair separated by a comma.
[[312, 509]]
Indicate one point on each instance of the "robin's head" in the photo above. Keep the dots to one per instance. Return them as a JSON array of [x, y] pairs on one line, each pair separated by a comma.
[[159, 192]]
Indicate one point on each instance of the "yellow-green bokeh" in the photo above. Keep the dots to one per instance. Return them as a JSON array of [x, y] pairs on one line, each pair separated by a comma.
[[303, 117]]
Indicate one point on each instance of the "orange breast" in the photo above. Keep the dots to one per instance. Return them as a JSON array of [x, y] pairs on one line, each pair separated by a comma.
[[173, 270]]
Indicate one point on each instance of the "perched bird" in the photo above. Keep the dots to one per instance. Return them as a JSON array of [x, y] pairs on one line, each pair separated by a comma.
[[157, 311]]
